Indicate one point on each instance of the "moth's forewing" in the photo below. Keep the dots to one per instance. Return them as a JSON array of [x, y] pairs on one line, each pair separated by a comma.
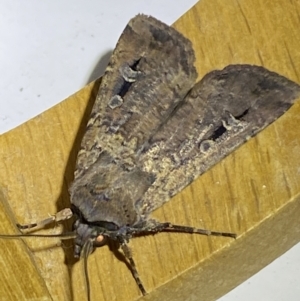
[[221, 112], [150, 72]]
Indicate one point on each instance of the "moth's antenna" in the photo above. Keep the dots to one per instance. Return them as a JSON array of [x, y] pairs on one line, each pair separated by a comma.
[[86, 251], [59, 216], [64, 236]]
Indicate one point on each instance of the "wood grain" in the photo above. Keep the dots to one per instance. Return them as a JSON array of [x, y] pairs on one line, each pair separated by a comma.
[[253, 192]]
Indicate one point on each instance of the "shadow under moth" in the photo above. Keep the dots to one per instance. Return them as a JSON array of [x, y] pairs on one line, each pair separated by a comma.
[[152, 131]]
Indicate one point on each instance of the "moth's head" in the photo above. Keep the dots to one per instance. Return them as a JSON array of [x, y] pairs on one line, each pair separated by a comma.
[[92, 235]]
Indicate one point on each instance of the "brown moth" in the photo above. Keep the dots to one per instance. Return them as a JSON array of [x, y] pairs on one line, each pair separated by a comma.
[[152, 131]]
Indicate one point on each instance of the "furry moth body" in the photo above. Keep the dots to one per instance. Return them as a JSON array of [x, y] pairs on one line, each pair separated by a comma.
[[152, 131]]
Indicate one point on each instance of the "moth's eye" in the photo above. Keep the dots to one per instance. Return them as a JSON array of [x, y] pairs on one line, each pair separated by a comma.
[[99, 241]]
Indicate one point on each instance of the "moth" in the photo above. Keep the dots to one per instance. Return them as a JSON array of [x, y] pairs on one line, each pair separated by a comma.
[[152, 131]]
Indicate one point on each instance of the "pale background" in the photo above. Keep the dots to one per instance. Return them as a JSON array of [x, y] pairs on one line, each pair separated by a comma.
[[51, 49]]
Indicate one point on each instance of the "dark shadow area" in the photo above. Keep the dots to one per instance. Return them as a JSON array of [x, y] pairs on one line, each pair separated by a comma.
[[64, 199], [100, 67]]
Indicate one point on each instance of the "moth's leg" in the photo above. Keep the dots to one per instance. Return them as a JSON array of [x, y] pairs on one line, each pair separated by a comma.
[[186, 229], [155, 226], [128, 255], [59, 216]]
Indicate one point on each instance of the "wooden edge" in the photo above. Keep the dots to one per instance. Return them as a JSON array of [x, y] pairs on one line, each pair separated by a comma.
[[213, 278], [21, 279]]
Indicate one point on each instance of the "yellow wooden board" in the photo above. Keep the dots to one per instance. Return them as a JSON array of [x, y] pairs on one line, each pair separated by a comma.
[[253, 192]]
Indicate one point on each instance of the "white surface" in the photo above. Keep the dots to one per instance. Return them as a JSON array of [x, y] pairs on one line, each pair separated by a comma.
[[51, 49]]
